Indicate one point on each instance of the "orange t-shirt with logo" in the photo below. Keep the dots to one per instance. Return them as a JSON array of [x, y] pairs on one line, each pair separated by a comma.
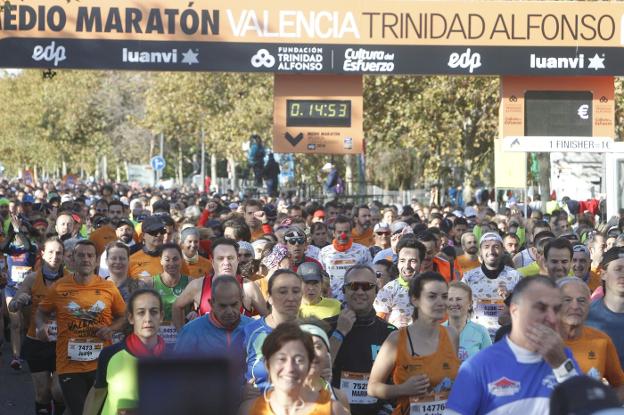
[[440, 367], [202, 267], [596, 356], [594, 280], [144, 265], [322, 406], [38, 291], [81, 310], [365, 238], [102, 237]]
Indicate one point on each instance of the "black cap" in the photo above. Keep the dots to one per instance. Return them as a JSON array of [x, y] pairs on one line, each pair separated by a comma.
[[152, 224], [310, 271], [582, 395]]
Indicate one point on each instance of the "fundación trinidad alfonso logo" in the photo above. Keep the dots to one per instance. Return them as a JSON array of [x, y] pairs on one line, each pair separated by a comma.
[[263, 58]]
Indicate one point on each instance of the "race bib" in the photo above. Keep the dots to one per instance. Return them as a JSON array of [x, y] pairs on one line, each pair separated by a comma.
[[486, 313], [18, 273], [84, 350], [419, 407], [52, 330], [168, 333], [355, 386]]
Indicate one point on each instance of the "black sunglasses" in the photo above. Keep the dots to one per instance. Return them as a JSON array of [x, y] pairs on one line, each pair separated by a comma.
[[364, 286], [295, 241], [157, 233]]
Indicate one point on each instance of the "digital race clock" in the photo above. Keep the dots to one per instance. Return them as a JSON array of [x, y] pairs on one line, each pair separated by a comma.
[[321, 113]]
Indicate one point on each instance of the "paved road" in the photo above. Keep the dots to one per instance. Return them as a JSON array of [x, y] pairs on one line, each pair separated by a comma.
[[16, 393]]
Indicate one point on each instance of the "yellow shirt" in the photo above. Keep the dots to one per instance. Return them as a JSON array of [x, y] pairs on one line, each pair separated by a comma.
[[327, 307], [531, 269]]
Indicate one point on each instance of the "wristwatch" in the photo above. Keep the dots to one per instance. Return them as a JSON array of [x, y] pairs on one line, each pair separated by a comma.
[[565, 371]]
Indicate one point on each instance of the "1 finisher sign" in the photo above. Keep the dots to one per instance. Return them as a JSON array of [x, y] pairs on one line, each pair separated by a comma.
[[390, 37]]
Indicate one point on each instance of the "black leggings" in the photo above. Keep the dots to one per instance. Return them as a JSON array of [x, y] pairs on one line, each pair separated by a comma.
[[75, 387]]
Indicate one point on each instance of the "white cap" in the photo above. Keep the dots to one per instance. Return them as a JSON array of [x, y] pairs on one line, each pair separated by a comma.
[[490, 236], [327, 167]]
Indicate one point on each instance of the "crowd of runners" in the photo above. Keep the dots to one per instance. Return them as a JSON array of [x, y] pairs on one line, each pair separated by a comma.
[[320, 308]]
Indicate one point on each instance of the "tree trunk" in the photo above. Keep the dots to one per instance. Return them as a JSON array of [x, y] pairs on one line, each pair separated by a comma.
[[213, 171], [544, 177]]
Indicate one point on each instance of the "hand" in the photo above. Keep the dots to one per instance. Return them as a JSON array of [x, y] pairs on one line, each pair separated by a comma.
[[41, 332], [417, 385], [18, 302], [327, 374], [15, 222], [345, 321], [261, 216], [192, 315], [547, 343], [105, 333], [502, 290]]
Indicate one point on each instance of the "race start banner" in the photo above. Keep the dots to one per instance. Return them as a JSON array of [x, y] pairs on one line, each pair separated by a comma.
[[295, 36]]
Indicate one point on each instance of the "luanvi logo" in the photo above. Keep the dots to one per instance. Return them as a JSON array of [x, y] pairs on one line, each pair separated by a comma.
[[137, 56], [467, 60], [49, 53], [577, 62]]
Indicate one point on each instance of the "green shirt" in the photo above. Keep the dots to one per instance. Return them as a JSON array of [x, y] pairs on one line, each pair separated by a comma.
[[326, 308], [169, 294], [117, 372], [531, 269]]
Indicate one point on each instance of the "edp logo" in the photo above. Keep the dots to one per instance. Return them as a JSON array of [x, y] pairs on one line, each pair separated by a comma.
[[50, 53], [466, 60]]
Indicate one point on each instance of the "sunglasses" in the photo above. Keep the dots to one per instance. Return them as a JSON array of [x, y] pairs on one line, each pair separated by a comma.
[[295, 241], [364, 286], [157, 233], [382, 233]]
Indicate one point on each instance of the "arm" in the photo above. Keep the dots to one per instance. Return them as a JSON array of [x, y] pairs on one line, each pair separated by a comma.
[[339, 407], [453, 336], [252, 291], [23, 295], [41, 318], [343, 326], [95, 401], [382, 368], [106, 333], [186, 298]]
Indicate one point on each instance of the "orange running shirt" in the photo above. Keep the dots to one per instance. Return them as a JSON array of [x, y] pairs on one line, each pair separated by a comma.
[[144, 265], [467, 264], [440, 367], [102, 237], [596, 355], [81, 310], [365, 238], [202, 267], [38, 292], [321, 407]]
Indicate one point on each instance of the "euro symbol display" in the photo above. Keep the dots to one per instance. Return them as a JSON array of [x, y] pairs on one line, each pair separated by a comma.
[[583, 112]]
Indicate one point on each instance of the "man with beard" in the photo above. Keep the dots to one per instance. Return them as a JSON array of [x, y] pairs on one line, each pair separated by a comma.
[[393, 301], [363, 230], [146, 262], [342, 254], [490, 283], [469, 259], [460, 227], [124, 231], [296, 243]]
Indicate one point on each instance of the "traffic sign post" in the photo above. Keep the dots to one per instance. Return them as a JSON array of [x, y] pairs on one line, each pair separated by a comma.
[[158, 163]]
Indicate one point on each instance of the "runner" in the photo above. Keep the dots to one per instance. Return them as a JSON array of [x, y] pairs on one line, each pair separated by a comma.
[[472, 336], [518, 374], [285, 292], [381, 236], [363, 229], [195, 265], [40, 355], [558, 258], [296, 242], [21, 255], [357, 336], [117, 259], [124, 232], [116, 388], [469, 259], [146, 262], [581, 267], [607, 313], [342, 254], [290, 352], [490, 283], [393, 302], [529, 254], [593, 349], [313, 303], [88, 310], [170, 284], [422, 357]]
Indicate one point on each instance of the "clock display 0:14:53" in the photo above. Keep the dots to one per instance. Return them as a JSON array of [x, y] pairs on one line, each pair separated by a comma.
[[329, 113]]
